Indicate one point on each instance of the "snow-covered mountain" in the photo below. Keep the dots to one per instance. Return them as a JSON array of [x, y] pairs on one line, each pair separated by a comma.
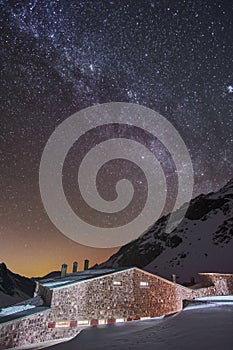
[[14, 288], [202, 242]]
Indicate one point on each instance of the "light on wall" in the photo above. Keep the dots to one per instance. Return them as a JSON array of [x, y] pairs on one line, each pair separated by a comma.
[[117, 283], [144, 284]]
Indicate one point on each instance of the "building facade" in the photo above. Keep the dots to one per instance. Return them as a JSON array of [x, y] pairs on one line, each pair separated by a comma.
[[102, 297]]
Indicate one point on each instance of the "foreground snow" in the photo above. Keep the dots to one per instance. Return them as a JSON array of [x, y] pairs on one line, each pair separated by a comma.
[[211, 301], [202, 329]]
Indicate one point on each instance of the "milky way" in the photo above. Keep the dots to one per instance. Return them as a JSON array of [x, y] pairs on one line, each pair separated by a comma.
[[58, 57]]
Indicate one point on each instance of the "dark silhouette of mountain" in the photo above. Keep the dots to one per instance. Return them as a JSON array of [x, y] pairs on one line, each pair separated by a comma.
[[52, 274], [13, 287], [201, 242]]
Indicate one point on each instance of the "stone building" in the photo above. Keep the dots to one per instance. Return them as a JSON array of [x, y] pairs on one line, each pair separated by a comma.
[[93, 297]]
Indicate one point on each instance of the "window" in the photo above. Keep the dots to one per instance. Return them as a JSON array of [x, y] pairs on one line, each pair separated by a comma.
[[144, 284], [83, 323], [62, 324], [117, 283], [102, 321]]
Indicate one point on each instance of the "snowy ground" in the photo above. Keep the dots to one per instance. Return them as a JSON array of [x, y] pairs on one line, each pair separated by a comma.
[[192, 329]]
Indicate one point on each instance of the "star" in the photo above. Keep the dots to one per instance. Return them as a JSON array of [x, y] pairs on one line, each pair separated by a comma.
[[230, 89], [62, 57]]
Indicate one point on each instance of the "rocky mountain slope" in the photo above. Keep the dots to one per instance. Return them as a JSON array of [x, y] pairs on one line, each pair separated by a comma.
[[202, 242], [14, 288], [52, 274]]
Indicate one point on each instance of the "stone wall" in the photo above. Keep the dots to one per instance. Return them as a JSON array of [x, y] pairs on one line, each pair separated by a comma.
[[161, 297], [128, 294], [97, 298], [45, 293], [222, 282], [31, 330]]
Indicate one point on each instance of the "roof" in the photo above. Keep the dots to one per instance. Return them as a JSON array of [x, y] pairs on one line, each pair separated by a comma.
[[23, 314], [76, 277], [82, 276]]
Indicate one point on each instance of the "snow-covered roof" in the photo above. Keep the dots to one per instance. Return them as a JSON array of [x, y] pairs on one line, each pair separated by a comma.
[[77, 277], [14, 309], [20, 311]]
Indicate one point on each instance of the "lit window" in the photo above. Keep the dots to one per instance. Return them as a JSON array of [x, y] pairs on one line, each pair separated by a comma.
[[117, 283], [83, 323], [144, 284], [62, 324], [102, 321]]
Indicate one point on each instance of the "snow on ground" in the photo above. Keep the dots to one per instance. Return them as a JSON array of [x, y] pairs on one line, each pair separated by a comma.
[[202, 329], [202, 306], [14, 309], [211, 302]]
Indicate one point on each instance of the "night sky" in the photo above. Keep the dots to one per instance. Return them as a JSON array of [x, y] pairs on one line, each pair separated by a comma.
[[58, 57]]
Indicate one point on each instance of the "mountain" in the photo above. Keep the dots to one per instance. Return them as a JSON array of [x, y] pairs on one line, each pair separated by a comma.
[[14, 288], [52, 274], [202, 242]]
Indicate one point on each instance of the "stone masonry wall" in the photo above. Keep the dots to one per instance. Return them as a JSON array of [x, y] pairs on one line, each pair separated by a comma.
[[31, 330], [162, 297], [96, 299], [45, 293], [100, 299], [222, 282]]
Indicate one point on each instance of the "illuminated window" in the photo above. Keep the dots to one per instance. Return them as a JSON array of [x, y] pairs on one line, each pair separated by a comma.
[[62, 324], [102, 321], [144, 284], [83, 323], [117, 283]]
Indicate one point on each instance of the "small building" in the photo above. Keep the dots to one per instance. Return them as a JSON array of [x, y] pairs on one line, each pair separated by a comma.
[[93, 297]]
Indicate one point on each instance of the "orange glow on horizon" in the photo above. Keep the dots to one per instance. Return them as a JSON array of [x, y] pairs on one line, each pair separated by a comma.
[[35, 255]]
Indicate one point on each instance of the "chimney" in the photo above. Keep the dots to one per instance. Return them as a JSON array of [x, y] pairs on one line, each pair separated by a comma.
[[173, 278], [75, 266], [86, 264], [63, 270]]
